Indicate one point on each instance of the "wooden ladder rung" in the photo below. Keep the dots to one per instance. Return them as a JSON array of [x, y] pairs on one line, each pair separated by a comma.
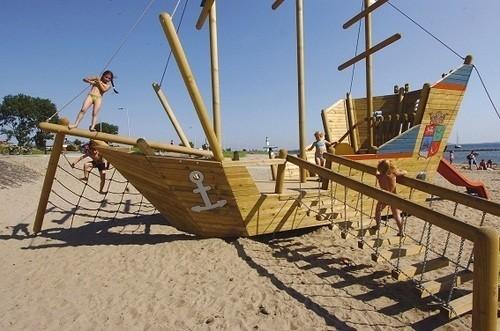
[[381, 242], [444, 283], [458, 307], [395, 252], [407, 272]]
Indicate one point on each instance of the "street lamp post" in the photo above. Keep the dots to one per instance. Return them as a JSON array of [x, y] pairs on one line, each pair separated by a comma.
[[128, 118]]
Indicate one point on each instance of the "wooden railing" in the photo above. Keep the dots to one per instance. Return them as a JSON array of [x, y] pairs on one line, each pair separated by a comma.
[[484, 239]]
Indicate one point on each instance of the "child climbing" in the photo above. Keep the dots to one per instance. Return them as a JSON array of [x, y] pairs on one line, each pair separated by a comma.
[[386, 176], [97, 162], [99, 87], [321, 145]]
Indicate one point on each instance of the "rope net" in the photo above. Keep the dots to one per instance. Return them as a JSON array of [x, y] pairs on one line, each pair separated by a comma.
[[74, 201]]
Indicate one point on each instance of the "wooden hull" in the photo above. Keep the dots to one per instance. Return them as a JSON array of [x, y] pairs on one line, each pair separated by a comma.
[[233, 205]]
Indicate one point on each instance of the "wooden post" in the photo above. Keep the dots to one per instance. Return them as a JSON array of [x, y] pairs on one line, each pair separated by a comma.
[[192, 87], [368, 69], [328, 165], [280, 176], [353, 136], [485, 283], [49, 179], [171, 116], [143, 145], [214, 57], [299, 13], [424, 96]]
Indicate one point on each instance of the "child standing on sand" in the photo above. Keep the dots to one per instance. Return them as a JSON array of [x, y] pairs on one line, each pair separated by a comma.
[[321, 145], [386, 176], [99, 87]]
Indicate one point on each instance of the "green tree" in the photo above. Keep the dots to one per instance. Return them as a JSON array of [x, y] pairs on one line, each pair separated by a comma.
[[20, 115], [107, 128]]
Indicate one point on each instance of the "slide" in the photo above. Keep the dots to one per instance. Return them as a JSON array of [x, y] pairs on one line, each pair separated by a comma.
[[453, 176]]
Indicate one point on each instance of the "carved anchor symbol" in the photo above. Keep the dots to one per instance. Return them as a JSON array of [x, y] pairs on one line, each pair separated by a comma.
[[197, 178]]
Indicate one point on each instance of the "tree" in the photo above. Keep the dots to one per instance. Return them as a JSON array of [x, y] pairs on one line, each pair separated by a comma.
[[20, 115], [107, 128]]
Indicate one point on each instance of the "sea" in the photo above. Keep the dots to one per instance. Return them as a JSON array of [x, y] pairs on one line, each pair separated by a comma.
[[485, 151]]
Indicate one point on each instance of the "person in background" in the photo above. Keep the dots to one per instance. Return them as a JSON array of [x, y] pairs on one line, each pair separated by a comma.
[[451, 157], [321, 146]]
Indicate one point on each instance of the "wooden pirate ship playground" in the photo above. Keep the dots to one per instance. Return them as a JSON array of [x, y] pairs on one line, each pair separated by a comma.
[[202, 193]]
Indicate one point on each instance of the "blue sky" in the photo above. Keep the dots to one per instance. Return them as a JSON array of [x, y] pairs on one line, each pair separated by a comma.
[[49, 46]]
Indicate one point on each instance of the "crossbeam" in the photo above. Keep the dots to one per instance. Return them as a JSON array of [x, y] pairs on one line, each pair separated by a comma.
[[370, 51], [207, 6], [113, 138], [364, 13]]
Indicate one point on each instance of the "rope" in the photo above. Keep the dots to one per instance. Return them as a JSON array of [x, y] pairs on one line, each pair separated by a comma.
[[125, 39], [486, 90], [356, 52], [426, 31], [177, 30]]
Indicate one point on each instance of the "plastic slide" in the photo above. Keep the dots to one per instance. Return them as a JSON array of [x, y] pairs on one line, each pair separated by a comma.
[[453, 176]]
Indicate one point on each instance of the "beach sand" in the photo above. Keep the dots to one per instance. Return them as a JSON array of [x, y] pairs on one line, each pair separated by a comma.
[[93, 271]]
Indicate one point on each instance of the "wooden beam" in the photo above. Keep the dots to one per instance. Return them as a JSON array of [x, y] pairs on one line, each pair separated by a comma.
[[190, 82], [363, 13], [276, 4], [48, 181], [214, 63], [144, 147], [204, 13], [113, 138], [379, 46], [171, 115]]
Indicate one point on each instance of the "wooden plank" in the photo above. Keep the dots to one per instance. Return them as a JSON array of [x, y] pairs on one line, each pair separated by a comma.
[[444, 283], [458, 306], [395, 252], [407, 272]]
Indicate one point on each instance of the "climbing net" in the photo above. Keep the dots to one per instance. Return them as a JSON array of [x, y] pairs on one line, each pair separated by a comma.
[[74, 201], [439, 263]]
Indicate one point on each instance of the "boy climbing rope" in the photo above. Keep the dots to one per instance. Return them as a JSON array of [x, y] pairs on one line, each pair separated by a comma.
[[99, 87]]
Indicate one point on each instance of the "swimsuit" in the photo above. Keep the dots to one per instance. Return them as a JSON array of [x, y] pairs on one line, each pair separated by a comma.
[[99, 165], [94, 97], [320, 148]]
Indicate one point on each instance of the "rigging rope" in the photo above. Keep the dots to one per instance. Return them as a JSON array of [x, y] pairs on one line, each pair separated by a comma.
[[177, 30], [356, 51], [125, 39], [453, 51]]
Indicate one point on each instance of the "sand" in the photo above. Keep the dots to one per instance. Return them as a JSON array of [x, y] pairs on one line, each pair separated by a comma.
[[135, 272]]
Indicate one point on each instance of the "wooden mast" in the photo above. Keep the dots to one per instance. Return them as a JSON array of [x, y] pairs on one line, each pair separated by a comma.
[[171, 115], [192, 87], [366, 14], [368, 70], [214, 57], [299, 18], [301, 84]]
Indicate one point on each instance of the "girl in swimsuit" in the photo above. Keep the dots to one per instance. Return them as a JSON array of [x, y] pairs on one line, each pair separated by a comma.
[[99, 87], [321, 146]]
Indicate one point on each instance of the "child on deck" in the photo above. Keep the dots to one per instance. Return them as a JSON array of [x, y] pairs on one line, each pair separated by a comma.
[[99, 87], [97, 162], [321, 146], [386, 176]]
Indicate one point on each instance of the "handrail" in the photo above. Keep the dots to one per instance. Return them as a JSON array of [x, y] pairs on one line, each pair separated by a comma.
[[57, 128], [250, 163], [462, 198], [485, 239]]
